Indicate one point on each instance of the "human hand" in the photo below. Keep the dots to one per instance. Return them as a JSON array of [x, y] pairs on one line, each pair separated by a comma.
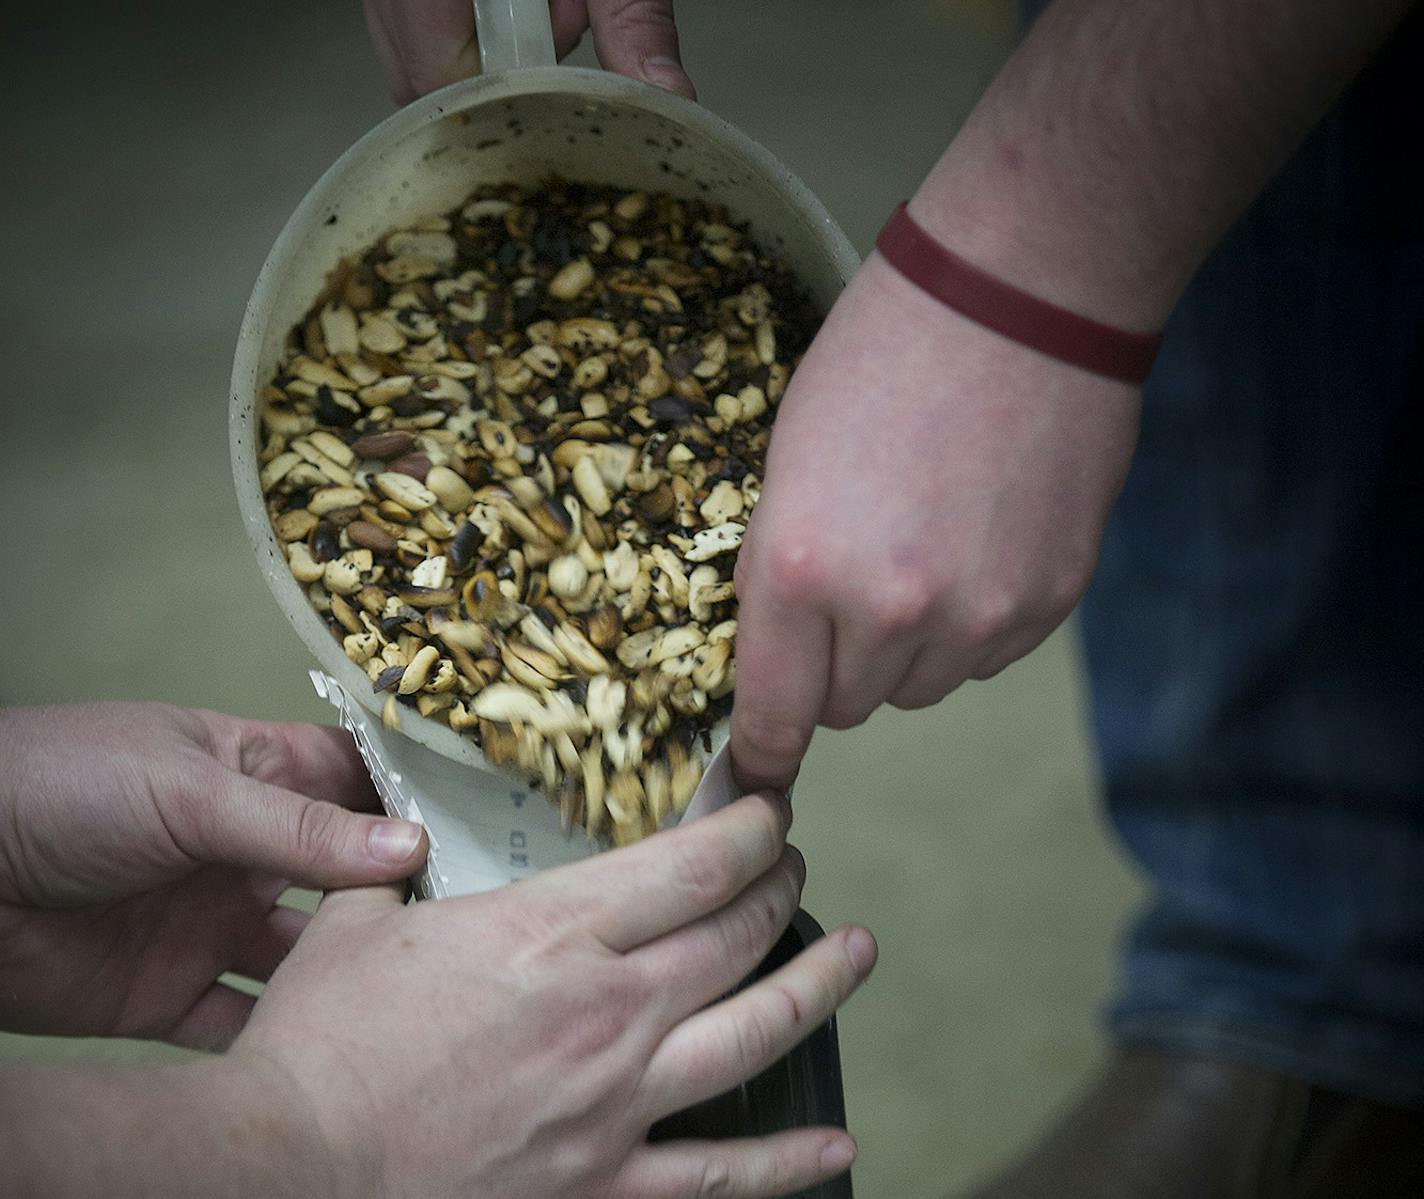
[[426, 44], [521, 1042], [934, 499], [144, 849]]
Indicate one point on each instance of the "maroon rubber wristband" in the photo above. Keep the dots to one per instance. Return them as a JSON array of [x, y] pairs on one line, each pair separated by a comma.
[[1015, 314]]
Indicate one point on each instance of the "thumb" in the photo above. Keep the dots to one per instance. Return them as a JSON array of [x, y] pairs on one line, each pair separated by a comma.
[[638, 38], [314, 843]]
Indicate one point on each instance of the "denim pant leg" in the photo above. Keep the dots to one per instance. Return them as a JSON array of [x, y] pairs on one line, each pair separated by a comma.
[[1255, 633]]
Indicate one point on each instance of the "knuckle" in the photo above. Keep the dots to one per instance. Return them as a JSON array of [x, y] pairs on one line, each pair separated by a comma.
[[181, 795], [795, 568], [707, 872], [989, 617], [789, 1011], [747, 847], [899, 602], [318, 834], [772, 914], [760, 921], [769, 835], [772, 737], [593, 1030], [230, 742], [754, 1040], [261, 751], [631, 17], [939, 668], [846, 714], [921, 696], [989, 669], [180, 806], [643, 985], [1068, 589], [716, 1180]]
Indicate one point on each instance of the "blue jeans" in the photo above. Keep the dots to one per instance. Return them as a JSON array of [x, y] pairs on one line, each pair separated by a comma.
[[1255, 631]]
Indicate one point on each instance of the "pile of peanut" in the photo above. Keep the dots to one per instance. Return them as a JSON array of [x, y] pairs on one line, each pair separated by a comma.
[[511, 453]]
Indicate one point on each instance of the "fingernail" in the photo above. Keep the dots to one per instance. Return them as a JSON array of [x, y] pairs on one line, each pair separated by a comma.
[[393, 841], [782, 802], [667, 73], [861, 947], [798, 865], [838, 1155]]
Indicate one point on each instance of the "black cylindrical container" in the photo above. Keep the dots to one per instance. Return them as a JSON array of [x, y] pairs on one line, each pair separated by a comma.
[[802, 1089]]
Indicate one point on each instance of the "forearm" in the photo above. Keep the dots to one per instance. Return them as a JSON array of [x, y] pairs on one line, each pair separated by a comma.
[[208, 1127], [1123, 138]]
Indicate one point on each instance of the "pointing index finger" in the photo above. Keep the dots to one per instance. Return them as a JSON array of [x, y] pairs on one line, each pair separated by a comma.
[[783, 671]]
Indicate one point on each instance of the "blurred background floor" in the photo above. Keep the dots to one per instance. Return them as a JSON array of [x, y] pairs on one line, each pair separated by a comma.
[[151, 161]]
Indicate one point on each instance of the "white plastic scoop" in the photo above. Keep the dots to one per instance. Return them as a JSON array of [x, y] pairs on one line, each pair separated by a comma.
[[522, 120]]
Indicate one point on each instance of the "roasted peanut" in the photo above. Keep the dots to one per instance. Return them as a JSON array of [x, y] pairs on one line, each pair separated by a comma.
[[514, 485]]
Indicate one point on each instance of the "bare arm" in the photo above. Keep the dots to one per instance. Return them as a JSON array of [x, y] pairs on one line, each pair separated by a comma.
[[935, 494], [542, 1028], [1122, 139], [1101, 166], [207, 1127]]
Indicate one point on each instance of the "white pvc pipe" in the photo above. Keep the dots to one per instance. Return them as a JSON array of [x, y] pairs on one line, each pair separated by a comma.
[[513, 33]]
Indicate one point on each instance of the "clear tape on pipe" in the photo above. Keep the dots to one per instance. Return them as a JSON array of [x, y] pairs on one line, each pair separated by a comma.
[[485, 830]]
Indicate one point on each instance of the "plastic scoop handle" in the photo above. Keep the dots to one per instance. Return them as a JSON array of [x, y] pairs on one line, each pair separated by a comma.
[[513, 34]]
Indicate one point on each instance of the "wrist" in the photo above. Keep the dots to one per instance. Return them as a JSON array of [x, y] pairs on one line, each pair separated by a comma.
[[208, 1126], [281, 1127], [901, 313], [1035, 236], [1050, 329], [1073, 180], [244, 1120]]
